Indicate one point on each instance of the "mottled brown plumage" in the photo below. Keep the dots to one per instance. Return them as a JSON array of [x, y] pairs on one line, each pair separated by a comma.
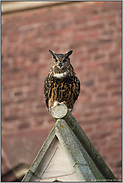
[[62, 83]]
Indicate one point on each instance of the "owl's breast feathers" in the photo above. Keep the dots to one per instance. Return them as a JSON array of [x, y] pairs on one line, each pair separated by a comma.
[[61, 89]]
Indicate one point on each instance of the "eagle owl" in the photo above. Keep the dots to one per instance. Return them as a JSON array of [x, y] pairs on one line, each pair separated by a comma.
[[62, 84]]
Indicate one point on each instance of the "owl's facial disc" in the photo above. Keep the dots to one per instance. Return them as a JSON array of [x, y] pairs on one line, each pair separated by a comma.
[[59, 69], [60, 64], [60, 72]]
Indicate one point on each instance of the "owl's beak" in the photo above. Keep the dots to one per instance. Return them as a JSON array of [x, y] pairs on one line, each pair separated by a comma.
[[60, 65]]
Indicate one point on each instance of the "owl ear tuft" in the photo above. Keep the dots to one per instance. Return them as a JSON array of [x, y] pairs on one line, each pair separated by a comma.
[[52, 53], [69, 53]]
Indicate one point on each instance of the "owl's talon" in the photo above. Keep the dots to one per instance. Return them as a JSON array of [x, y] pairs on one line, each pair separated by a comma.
[[64, 102], [56, 103]]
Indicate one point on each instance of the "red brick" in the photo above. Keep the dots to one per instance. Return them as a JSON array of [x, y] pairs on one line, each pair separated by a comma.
[[111, 150], [4, 163], [95, 18], [115, 126], [87, 130], [85, 98], [93, 65], [102, 127], [30, 140]]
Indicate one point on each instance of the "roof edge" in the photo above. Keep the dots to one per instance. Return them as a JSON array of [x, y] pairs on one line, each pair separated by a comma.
[[14, 7], [86, 143]]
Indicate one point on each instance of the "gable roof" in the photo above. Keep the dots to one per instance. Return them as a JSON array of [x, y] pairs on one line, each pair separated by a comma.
[[63, 139], [64, 155]]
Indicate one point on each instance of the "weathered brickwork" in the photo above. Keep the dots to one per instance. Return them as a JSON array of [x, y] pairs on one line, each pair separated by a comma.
[[93, 31]]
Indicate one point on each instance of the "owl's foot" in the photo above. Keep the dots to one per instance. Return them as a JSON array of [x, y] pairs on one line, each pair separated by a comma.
[[57, 103], [63, 102]]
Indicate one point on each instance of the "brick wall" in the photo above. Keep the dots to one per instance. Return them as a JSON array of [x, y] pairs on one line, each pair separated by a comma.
[[93, 31]]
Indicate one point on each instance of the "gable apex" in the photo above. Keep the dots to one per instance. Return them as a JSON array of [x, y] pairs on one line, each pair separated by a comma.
[[62, 158]]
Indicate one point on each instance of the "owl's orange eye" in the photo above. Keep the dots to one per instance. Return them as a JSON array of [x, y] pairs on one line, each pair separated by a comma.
[[64, 61], [56, 61]]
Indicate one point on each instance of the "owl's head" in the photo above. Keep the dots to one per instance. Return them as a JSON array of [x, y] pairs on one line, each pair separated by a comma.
[[60, 64]]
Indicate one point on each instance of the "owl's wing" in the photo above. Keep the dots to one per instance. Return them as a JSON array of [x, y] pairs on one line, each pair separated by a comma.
[[76, 84], [46, 90], [77, 88]]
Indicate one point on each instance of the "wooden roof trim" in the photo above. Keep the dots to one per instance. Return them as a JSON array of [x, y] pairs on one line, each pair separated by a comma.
[[16, 6], [10, 7]]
